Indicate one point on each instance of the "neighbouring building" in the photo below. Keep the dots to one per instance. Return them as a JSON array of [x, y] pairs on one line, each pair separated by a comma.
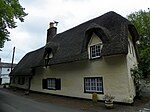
[[5, 69], [93, 57]]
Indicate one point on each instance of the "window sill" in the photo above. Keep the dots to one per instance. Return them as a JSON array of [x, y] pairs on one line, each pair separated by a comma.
[[50, 88], [91, 92], [95, 58]]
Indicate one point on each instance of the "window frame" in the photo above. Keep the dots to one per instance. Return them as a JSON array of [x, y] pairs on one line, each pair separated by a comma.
[[94, 91], [21, 80], [95, 50], [57, 85], [48, 55], [53, 86], [14, 80]]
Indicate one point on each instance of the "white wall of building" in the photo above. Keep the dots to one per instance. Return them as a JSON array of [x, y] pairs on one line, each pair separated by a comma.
[[5, 75]]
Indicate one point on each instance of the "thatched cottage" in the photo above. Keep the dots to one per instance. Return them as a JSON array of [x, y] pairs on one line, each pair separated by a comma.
[[93, 57]]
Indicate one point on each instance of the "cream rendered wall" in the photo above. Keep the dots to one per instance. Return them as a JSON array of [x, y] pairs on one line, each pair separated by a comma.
[[113, 69], [131, 62]]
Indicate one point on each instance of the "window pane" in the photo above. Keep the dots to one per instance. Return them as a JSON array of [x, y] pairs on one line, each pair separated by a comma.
[[95, 50], [51, 83], [93, 84]]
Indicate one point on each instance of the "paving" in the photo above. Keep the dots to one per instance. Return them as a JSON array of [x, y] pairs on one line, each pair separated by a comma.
[[140, 105]]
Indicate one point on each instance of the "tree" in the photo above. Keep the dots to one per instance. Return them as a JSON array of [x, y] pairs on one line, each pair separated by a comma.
[[141, 21], [10, 10]]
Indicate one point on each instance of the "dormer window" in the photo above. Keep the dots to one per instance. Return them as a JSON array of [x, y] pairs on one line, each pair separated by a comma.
[[95, 47], [95, 51], [47, 56]]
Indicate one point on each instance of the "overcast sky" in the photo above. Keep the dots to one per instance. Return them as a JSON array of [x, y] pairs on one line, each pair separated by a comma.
[[31, 34]]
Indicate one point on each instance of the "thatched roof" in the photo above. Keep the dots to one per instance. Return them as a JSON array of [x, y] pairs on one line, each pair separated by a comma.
[[71, 45], [31, 59]]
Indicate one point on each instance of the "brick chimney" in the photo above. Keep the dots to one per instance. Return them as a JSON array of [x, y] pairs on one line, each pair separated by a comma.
[[52, 31]]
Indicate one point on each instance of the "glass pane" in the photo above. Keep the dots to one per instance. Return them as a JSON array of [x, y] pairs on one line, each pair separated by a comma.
[[51, 83], [93, 84], [95, 50]]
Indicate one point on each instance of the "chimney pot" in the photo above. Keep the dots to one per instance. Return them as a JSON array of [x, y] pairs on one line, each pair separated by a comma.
[[51, 24]]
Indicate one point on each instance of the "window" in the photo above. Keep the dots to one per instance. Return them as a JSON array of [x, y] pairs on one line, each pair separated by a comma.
[[130, 48], [13, 80], [133, 50], [51, 83], [93, 84], [48, 55], [95, 51], [21, 80]]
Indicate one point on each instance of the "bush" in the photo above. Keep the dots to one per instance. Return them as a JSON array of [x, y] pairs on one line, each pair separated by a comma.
[[139, 80]]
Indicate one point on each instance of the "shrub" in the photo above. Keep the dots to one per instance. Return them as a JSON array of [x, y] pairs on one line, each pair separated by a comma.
[[139, 81]]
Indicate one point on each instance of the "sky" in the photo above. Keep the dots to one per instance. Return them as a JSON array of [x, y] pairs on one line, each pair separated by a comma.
[[31, 34]]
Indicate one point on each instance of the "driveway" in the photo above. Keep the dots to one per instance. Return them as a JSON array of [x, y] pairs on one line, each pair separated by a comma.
[[14, 103]]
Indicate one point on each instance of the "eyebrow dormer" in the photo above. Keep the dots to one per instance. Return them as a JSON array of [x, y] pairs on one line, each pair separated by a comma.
[[95, 37], [48, 54], [100, 31], [50, 51], [95, 47]]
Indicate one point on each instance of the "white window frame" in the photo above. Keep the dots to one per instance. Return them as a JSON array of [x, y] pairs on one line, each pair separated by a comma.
[[93, 84], [95, 50], [51, 83]]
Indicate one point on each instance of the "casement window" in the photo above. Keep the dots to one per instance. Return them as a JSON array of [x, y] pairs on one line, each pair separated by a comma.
[[131, 49], [51, 83], [93, 84], [48, 55], [47, 58], [95, 51], [14, 80], [21, 80]]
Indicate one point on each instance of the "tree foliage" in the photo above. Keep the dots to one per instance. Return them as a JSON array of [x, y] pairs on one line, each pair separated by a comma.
[[141, 21], [137, 75], [10, 10]]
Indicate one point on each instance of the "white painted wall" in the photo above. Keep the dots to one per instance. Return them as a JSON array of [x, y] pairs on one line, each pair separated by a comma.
[[72, 75], [5, 75], [131, 63]]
